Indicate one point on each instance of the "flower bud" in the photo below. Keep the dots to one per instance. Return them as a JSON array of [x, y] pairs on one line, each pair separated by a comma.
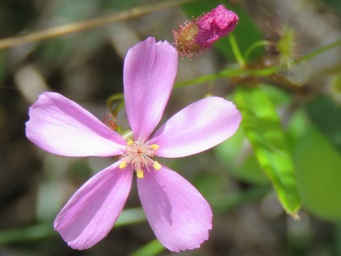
[[287, 46], [199, 34]]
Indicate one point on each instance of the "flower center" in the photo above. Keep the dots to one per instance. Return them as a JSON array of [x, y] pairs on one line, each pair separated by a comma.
[[139, 155]]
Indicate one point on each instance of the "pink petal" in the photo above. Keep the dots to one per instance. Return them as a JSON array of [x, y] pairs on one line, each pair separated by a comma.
[[178, 214], [198, 127], [149, 73], [60, 126], [92, 211]]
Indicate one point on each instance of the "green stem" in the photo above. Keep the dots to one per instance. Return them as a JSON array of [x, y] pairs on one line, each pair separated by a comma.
[[41, 231], [237, 72], [240, 71], [236, 51], [321, 50], [255, 46], [115, 103]]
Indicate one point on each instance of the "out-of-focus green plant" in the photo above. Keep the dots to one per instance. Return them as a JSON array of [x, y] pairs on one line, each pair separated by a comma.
[[262, 124]]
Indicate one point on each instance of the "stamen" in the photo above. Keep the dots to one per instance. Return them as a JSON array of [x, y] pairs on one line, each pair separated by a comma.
[[123, 165], [139, 156], [154, 146], [156, 165], [139, 174]]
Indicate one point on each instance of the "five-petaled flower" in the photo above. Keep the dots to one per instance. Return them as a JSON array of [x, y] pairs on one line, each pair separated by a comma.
[[178, 214]]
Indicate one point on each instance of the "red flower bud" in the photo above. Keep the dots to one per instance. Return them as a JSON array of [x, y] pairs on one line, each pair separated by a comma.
[[197, 35]]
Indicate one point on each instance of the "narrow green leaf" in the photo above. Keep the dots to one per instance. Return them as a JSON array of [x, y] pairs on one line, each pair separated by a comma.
[[152, 248], [130, 216], [262, 127], [30, 233], [44, 230]]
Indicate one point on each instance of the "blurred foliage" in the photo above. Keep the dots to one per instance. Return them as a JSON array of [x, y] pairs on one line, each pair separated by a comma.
[[282, 68], [243, 166], [328, 124], [269, 144], [319, 175]]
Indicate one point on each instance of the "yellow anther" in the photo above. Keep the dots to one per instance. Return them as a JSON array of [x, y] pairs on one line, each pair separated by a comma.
[[139, 174], [156, 165], [130, 142], [123, 164], [154, 146]]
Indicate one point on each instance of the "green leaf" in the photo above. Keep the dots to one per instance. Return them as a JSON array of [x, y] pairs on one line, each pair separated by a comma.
[[319, 174], [262, 127], [152, 248], [234, 153], [130, 216], [30, 233], [326, 115]]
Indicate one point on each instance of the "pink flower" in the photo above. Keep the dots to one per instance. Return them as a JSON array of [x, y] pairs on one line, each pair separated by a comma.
[[200, 34], [178, 214]]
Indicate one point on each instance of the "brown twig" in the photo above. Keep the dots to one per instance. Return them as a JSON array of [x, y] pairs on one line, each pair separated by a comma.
[[88, 24]]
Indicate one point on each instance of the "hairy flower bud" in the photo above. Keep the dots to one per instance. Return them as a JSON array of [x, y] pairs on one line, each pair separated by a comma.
[[287, 46], [197, 35]]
